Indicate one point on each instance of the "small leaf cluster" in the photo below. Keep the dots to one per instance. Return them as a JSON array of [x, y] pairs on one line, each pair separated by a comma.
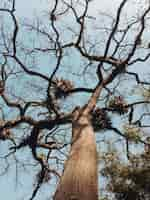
[[118, 105], [62, 88], [100, 119]]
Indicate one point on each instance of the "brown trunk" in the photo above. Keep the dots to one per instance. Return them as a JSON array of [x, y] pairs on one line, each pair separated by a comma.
[[79, 180], [80, 177]]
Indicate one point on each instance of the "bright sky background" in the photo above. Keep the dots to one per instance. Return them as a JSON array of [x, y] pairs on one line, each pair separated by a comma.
[[28, 9]]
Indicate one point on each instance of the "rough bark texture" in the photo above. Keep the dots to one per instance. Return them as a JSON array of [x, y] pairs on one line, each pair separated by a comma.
[[79, 179]]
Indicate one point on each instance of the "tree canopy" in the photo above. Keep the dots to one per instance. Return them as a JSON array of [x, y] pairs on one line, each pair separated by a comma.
[[71, 55]]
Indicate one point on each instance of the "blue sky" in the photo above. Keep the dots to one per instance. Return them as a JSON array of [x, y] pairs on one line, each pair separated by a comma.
[[8, 190]]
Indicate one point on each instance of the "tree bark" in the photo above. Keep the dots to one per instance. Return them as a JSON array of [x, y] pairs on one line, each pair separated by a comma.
[[80, 179]]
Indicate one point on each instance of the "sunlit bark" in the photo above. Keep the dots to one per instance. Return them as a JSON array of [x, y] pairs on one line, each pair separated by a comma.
[[79, 180]]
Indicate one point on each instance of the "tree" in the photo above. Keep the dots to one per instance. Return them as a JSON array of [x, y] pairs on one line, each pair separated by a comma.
[[129, 181], [47, 56]]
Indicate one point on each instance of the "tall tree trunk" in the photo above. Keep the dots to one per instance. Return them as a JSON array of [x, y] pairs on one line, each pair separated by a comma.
[[79, 180], [80, 177]]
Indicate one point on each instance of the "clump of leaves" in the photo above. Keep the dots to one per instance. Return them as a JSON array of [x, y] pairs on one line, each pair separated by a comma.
[[62, 88], [132, 132], [42, 156], [118, 105], [59, 88], [100, 119], [146, 93], [128, 181], [5, 134]]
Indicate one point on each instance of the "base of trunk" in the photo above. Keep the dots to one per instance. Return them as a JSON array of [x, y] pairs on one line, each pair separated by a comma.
[[79, 180]]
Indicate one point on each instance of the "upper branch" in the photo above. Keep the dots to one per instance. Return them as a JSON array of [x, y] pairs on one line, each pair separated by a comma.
[[15, 32], [139, 35]]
